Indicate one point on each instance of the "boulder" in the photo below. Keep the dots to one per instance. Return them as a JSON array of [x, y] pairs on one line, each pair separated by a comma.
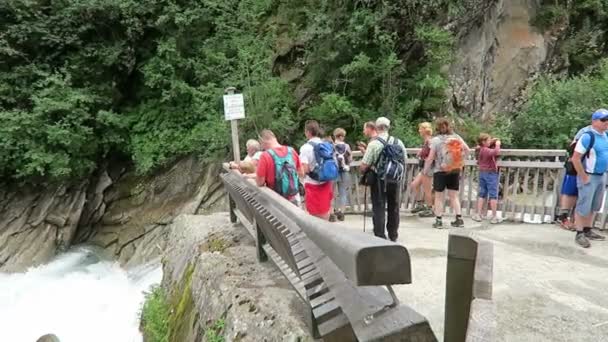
[[216, 286]]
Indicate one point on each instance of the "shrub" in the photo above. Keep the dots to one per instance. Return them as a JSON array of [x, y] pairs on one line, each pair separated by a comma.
[[155, 316]]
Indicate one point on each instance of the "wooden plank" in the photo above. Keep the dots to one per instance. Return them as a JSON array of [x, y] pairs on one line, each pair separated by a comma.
[[326, 311], [340, 322], [535, 194], [525, 193], [514, 193], [291, 277], [322, 299], [470, 192], [546, 177]]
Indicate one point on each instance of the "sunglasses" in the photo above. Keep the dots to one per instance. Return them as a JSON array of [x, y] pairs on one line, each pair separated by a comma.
[[604, 120]]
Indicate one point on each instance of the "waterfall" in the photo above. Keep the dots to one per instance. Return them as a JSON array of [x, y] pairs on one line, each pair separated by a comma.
[[78, 296]]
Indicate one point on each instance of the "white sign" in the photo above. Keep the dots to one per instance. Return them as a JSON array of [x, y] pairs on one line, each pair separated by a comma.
[[234, 107]]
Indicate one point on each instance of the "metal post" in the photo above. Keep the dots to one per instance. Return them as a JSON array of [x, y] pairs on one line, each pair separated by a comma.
[[234, 127]]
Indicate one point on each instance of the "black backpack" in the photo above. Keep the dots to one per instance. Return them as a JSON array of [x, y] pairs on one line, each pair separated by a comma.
[[390, 166], [570, 170]]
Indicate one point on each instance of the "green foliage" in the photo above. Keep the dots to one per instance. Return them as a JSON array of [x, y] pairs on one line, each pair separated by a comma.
[[586, 29], [155, 316], [500, 127], [143, 79], [557, 109], [214, 332]]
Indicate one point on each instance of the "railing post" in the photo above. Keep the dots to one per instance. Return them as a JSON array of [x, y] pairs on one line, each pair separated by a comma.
[[232, 206], [260, 240]]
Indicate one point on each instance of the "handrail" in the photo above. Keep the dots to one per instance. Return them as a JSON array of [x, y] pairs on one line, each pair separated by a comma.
[[365, 260]]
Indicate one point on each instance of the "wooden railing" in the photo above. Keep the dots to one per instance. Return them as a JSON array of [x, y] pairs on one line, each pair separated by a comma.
[[530, 183]]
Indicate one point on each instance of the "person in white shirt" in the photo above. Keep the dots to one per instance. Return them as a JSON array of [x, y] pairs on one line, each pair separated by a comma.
[[318, 195]]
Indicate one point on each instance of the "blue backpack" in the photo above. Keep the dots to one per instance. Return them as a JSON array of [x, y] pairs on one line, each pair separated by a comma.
[[326, 169], [286, 181]]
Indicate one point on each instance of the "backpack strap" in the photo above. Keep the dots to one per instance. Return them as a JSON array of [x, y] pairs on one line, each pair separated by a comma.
[[591, 143]]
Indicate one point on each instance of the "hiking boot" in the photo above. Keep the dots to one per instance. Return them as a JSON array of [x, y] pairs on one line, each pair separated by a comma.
[[332, 217], [591, 235], [428, 212], [495, 220], [438, 224], [477, 218], [340, 216], [582, 241], [418, 208], [458, 223]]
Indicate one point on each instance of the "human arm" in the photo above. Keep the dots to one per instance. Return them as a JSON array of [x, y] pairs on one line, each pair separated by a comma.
[[428, 162], [306, 158], [577, 158], [369, 158], [261, 171]]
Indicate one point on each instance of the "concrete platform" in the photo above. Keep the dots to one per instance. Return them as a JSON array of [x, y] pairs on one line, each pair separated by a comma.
[[546, 288]]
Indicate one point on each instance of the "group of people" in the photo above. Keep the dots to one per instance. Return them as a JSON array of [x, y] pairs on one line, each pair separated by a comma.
[[325, 159]]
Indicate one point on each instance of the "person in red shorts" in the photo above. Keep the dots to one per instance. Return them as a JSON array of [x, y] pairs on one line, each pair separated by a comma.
[[318, 195], [267, 167]]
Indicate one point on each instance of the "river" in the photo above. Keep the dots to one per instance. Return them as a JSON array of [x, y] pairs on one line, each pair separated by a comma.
[[78, 296]]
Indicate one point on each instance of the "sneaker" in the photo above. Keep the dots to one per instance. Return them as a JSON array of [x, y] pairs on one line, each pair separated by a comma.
[[332, 218], [495, 220], [428, 212], [458, 223], [591, 235], [582, 241], [340, 216], [418, 208], [438, 224], [477, 218]]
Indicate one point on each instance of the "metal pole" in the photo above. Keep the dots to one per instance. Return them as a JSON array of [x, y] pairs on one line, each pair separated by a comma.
[[234, 127]]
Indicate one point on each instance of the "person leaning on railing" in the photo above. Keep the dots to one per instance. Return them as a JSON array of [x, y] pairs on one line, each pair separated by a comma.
[[254, 151]]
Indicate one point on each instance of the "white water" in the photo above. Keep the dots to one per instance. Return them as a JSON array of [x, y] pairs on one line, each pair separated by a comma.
[[77, 297]]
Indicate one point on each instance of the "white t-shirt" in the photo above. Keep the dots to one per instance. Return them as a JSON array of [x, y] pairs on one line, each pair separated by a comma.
[[307, 156]]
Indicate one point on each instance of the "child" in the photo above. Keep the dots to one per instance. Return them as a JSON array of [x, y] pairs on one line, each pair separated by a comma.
[[344, 158], [488, 149]]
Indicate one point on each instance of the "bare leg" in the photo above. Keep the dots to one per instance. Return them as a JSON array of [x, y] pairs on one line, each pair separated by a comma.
[[480, 203], [494, 206], [438, 208], [427, 186], [454, 201]]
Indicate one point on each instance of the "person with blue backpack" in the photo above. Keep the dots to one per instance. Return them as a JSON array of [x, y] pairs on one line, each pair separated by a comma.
[[384, 166], [278, 168], [319, 170], [590, 160]]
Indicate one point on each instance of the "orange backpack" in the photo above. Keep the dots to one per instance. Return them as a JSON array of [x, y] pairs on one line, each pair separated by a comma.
[[453, 156]]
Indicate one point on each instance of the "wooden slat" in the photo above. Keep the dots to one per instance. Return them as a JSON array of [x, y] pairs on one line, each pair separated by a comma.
[[535, 195], [514, 193], [470, 192], [525, 193], [286, 271]]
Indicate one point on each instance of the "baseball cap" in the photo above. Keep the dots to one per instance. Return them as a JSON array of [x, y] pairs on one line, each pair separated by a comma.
[[600, 114], [382, 121]]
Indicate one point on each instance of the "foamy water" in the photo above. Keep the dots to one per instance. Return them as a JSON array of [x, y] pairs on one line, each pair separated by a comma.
[[77, 297]]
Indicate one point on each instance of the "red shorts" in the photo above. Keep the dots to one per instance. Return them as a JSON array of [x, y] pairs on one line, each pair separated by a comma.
[[319, 197]]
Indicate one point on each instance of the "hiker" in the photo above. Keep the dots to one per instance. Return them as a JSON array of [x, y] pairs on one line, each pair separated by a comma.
[[385, 157], [422, 186], [278, 168], [569, 189], [448, 152], [343, 158], [319, 169], [487, 151], [254, 151], [590, 160], [370, 132]]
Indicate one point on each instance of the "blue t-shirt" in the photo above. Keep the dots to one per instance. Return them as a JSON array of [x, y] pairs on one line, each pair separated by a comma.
[[597, 162]]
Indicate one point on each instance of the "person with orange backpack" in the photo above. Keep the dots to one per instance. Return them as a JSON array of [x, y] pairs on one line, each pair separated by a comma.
[[448, 151]]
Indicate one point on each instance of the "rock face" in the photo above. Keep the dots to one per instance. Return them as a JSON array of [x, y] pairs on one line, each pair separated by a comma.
[[216, 286], [117, 210], [497, 57], [35, 225]]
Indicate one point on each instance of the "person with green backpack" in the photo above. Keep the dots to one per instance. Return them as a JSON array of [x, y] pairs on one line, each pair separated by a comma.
[[278, 168]]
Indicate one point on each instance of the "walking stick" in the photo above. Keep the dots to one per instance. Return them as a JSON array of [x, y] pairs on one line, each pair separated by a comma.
[[364, 207]]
